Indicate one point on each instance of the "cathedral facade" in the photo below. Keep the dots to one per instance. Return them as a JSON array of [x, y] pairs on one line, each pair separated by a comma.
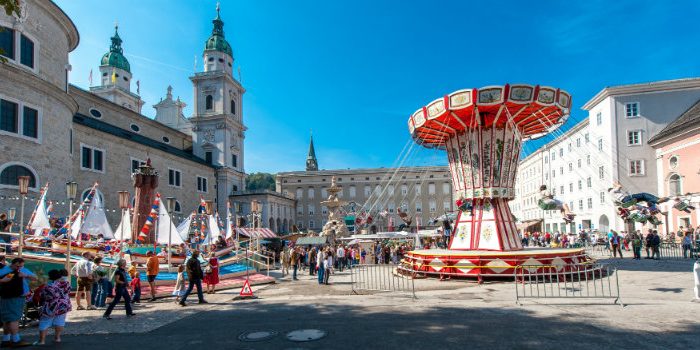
[[55, 132]]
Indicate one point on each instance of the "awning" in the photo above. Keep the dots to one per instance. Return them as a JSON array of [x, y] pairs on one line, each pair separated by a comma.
[[312, 240], [256, 232], [528, 224]]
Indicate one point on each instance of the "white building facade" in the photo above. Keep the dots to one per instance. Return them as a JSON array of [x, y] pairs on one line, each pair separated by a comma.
[[611, 144]]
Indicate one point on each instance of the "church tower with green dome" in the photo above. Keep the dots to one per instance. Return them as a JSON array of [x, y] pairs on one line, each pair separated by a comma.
[[218, 131], [115, 77]]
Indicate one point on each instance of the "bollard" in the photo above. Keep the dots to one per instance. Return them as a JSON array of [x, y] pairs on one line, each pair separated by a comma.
[[696, 272]]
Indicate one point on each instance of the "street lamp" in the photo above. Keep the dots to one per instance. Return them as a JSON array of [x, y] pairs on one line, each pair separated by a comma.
[[123, 205], [71, 193], [254, 208], [23, 190], [170, 205]]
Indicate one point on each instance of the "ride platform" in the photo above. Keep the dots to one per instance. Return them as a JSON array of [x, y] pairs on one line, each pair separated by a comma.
[[445, 263]]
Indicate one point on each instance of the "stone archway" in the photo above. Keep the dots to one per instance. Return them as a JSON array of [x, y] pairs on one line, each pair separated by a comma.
[[604, 223], [279, 226], [285, 226], [272, 224]]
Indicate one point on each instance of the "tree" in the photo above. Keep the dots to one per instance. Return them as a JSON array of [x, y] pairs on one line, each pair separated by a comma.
[[260, 181], [11, 8]]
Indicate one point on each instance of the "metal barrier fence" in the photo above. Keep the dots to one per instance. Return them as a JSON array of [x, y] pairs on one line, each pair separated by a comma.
[[666, 251], [597, 281], [381, 278]]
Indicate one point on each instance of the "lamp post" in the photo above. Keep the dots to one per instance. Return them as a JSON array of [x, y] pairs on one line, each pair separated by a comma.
[[71, 193], [170, 205], [254, 208], [123, 205], [23, 182]]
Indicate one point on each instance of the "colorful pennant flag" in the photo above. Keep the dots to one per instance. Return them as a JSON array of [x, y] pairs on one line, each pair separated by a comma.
[[150, 220]]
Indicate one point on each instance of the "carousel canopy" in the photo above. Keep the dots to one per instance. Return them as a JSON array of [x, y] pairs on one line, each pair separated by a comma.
[[532, 110], [256, 233]]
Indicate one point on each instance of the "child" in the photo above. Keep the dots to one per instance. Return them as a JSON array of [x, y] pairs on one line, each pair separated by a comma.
[[180, 286], [135, 287], [56, 305]]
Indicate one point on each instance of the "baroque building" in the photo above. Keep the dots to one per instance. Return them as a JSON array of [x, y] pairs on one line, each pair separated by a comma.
[[55, 132]]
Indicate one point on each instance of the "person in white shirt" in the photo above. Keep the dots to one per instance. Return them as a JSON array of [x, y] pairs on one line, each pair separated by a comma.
[[626, 199], [328, 266], [320, 265], [83, 272], [340, 257], [547, 202]]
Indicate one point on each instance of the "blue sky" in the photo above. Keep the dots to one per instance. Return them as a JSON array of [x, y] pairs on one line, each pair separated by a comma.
[[353, 71]]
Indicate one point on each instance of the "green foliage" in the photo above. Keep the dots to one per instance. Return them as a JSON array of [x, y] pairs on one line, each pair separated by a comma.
[[260, 181], [11, 8]]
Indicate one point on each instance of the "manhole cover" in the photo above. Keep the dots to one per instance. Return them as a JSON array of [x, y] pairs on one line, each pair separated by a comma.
[[256, 335], [306, 335]]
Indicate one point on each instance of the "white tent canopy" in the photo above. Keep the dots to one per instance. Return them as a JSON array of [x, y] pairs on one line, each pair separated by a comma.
[[96, 221], [184, 227]]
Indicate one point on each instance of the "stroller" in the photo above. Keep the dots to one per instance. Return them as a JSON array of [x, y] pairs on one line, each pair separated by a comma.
[[32, 307]]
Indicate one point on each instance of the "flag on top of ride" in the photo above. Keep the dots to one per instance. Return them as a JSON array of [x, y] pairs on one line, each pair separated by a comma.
[[150, 220]]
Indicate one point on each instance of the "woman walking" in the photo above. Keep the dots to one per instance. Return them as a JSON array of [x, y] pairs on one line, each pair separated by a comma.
[[121, 291], [328, 266], [211, 273], [180, 286], [56, 298]]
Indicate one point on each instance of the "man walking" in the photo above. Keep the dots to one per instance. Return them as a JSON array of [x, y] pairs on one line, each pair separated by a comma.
[[319, 266], [655, 244], [152, 267], [340, 256], [195, 274], [14, 286], [312, 261], [615, 244], [120, 291], [83, 271]]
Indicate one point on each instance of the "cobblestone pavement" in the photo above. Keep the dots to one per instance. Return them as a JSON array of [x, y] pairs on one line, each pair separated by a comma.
[[658, 314]]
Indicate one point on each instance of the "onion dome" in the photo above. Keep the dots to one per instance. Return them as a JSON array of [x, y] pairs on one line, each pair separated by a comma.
[[115, 57], [216, 41]]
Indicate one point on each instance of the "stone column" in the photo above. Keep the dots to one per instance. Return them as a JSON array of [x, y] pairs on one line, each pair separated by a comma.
[[145, 183]]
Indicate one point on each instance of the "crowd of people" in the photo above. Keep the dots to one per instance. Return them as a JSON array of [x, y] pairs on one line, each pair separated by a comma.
[[686, 238]]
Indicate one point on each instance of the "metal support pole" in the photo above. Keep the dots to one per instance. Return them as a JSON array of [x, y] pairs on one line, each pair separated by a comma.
[[69, 233], [21, 227], [170, 237]]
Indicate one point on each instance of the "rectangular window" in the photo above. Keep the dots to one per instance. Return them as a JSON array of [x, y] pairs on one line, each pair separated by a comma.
[[561, 189], [7, 42], [602, 197], [311, 224], [26, 47], [632, 110], [580, 204], [554, 173], [174, 178], [561, 152], [445, 188], [324, 210], [588, 159], [404, 190], [208, 157], [589, 182], [587, 138], [545, 159], [234, 160], [135, 163], [419, 207], [601, 172], [580, 184], [9, 116], [86, 158], [579, 163], [600, 145], [571, 167], [92, 159], [599, 118], [30, 123], [561, 170], [446, 205], [571, 187], [634, 137], [431, 188], [201, 184], [578, 142], [311, 209], [570, 147], [590, 203], [554, 155], [418, 189], [636, 167]]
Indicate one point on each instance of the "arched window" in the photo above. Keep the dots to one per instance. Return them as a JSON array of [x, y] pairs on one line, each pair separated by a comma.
[[178, 208], [209, 102], [675, 187], [10, 176], [233, 106]]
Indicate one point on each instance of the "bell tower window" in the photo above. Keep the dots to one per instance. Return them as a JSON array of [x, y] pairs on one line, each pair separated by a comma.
[[233, 106], [209, 102]]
